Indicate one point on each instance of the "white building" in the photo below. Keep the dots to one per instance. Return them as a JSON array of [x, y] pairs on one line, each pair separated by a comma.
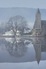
[[39, 25]]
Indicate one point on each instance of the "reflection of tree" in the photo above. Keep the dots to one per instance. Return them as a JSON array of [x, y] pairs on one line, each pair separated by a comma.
[[17, 49], [17, 23]]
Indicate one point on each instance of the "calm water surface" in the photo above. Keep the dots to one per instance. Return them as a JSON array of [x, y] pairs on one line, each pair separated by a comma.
[[23, 51]]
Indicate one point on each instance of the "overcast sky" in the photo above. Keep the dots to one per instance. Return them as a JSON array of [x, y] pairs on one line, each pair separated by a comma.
[[23, 3]]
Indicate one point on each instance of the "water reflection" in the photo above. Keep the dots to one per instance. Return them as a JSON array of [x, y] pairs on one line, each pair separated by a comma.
[[39, 46], [24, 49], [17, 47]]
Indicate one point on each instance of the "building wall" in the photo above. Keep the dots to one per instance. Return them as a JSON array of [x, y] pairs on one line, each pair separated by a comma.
[[43, 25]]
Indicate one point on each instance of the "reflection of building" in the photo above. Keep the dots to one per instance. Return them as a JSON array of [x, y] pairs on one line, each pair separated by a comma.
[[39, 46], [38, 52], [39, 26]]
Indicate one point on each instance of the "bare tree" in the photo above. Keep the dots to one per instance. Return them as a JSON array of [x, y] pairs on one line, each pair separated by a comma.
[[18, 23]]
